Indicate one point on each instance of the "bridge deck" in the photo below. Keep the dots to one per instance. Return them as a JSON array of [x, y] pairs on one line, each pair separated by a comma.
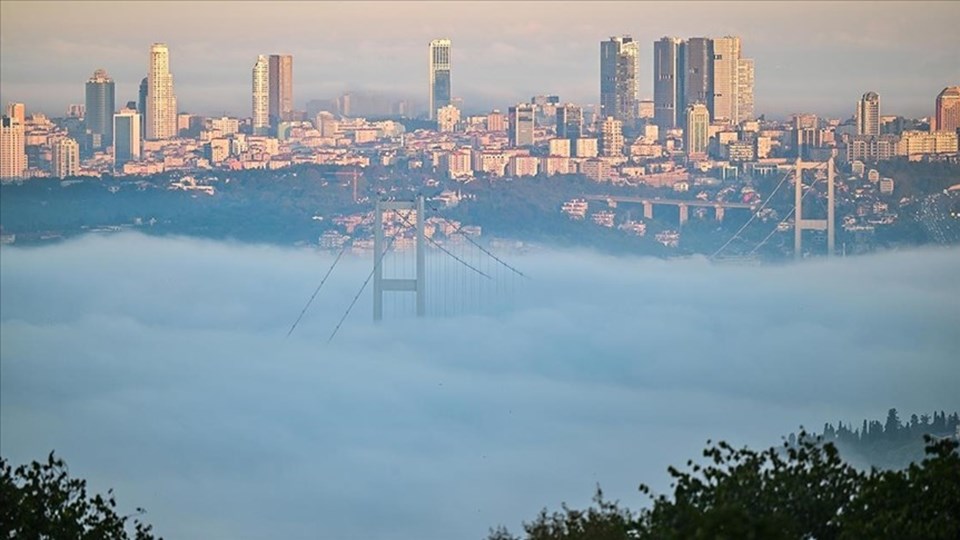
[[674, 202]]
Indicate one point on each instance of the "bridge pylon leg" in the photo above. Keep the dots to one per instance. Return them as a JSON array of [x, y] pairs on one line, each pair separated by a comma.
[[418, 284]]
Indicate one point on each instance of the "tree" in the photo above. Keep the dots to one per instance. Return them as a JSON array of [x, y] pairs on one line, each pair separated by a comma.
[[801, 490], [40, 500], [604, 521], [892, 427], [788, 492], [920, 502]]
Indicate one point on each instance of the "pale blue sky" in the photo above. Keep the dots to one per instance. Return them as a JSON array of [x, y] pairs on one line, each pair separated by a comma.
[[812, 56]]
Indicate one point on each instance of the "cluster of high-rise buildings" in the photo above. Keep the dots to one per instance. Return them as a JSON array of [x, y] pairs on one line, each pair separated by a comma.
[[707, 71], [272, 93], [152, 117], [873, 141], [702, 109]]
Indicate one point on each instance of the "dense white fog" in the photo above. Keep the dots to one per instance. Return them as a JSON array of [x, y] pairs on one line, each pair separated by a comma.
[[160, 367]]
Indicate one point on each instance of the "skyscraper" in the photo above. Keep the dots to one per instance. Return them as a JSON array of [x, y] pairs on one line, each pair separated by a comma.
[[611, 137], [569, 122], [619, 79], [161, 102], [868, 115], [439, 58], [668, 82], [261, 96], [947, 117], [520, 128], [745, 90], [696, 134], [698, 80], [13, 155], [126, 137], [142, 108], [726, 79], [100, 106], [65, 157], [281, 89]]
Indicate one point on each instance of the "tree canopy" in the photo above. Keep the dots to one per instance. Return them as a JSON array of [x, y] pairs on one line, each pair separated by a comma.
[[800, 490], [40, 500]]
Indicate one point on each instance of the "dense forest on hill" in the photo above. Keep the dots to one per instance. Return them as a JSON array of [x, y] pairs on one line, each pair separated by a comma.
[[891, 444]]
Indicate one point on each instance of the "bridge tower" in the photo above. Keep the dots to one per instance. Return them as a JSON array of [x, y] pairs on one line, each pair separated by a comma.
[[380, 283], [801, 224]]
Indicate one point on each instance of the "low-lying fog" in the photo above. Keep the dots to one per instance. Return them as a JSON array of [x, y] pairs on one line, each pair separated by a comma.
[[160, 367]]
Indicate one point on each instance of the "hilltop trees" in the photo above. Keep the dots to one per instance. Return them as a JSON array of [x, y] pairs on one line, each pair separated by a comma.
[[799, 490], [40, 500], [892, 444]]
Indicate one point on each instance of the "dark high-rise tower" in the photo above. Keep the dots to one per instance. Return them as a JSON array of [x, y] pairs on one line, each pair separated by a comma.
[[100, 106], [668, 82], [142, 107], [619, 69], [280, 89], [440, 95], [698, 80], [569, 121]]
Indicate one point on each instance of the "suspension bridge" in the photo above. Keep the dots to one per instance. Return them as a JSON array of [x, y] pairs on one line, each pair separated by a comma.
[[801, 223], [427, 265]]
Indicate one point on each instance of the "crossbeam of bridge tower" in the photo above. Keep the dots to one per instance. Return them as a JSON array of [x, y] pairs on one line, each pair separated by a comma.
[[801, 224], [382, 284]]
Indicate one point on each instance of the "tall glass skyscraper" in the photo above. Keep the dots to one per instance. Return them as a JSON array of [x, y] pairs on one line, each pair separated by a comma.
[[142, 108], [261, 96], [668, 82], [619, 80], [698, 79], [161, 101], [440, 93], [280, 89], [726, 79], [100, 107]]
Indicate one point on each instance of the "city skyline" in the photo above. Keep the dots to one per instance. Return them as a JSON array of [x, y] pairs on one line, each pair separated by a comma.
[[388, 57]]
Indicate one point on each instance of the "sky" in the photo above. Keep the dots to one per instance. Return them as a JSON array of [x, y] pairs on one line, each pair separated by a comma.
[[810, 56], [159, 367]]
